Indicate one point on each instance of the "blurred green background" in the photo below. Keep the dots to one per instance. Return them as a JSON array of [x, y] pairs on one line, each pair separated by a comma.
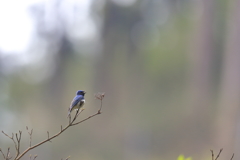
[[170, 70]]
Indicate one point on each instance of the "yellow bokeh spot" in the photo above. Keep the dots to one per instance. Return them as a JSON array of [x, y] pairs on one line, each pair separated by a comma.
[[181, 157]]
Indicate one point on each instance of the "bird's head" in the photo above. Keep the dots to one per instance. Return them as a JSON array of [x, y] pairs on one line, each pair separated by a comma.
[[80, 92]]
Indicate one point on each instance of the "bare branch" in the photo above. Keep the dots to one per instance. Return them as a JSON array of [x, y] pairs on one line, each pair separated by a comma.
[[48, 136], [218, 154], [75, 117], [12, 138], [8, 154], [30, 157], [67, 158], [18, 142], [212, 154], [81, 110], [6, 135], [69, 119], [34, 157], [86, 118], [99, 96], [232, 157], [30, 136], [2, 154]]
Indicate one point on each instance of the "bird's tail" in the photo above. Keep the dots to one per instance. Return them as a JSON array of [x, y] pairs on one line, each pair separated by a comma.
[[69, 113]]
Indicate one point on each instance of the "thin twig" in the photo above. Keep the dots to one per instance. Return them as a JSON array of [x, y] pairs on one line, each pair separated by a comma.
[[7, 135], [30, 157], [69, 118], [232, 157], [218, 154], [48, 136], [2, 154], [30, 136], [71, 123], [75, 117], [18, 142], [100, 96], [12, 138], [8, 154], [212, 154], [34, 157], [86, 118], [81, 110]]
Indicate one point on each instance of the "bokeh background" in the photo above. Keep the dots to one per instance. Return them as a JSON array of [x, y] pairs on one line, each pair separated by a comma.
[[170, 70]]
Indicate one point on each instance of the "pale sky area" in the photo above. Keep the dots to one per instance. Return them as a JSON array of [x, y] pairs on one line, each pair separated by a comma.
[[17, 24]]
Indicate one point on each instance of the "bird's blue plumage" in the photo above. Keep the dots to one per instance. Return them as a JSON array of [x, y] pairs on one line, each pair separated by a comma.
[[77, 102], [76, 99]]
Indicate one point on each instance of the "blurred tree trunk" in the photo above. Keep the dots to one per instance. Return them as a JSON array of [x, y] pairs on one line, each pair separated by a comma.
[[57, 84], [112, 66], [200, 77], [201, 56], [229, 102], [58, 47]]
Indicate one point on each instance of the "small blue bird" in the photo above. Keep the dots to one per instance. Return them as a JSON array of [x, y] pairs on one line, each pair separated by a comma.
[[77, 102]]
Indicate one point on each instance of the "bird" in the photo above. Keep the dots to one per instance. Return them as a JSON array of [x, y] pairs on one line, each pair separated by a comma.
[[77, 102]]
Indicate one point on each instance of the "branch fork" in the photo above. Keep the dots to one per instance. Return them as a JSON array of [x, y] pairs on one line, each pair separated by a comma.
[[16, 138]]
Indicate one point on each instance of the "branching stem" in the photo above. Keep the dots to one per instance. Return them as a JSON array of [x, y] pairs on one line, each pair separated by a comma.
[[99, 96]]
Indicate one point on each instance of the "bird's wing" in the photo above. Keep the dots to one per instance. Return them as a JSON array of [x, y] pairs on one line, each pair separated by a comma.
[[75, 101]]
